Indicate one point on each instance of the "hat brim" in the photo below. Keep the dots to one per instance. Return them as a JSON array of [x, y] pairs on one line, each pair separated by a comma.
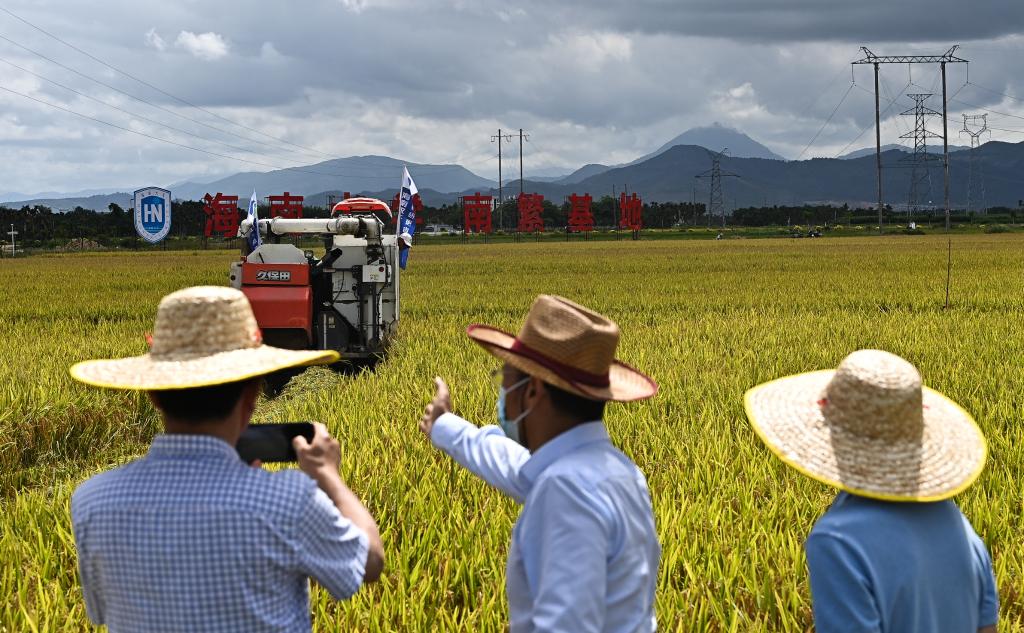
[[944, 461], [146, 374], [625, 384]]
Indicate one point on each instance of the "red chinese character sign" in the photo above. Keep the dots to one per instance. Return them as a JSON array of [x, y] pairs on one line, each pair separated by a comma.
[[417, 206], [630, 212], [222, 215], [531, 205], [476, 211], [286, 206], [581, 218]]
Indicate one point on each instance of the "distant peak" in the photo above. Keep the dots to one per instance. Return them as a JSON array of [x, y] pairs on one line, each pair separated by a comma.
[[716, 136]]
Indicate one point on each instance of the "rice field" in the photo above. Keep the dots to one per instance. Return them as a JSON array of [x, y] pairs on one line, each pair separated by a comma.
[[706, 319]]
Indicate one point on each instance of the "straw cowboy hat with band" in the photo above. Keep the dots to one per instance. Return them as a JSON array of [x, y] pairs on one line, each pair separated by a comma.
[[570, 347], [204, 336], [870, 428]]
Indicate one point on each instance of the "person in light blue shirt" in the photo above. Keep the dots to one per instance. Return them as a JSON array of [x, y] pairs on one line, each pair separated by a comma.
[[189, 537], [894, 553], [584, 553], [868, 557]]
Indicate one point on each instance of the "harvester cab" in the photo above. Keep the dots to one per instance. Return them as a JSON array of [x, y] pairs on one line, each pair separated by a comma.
[[346, 300]]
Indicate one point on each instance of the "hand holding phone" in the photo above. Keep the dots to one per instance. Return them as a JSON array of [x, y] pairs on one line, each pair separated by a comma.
[[320, 457], [272, 442]]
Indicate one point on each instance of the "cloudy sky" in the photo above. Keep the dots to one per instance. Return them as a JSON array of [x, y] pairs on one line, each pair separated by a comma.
[[294, 83]]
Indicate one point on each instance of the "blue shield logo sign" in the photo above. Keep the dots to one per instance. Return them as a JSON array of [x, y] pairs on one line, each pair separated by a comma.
[[152, 213]]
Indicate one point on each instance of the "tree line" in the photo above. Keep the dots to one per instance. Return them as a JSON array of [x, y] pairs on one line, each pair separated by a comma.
[[827, 215], [41, 227]]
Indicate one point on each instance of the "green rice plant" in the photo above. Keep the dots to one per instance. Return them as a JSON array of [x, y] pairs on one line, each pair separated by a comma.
[[707, 319]]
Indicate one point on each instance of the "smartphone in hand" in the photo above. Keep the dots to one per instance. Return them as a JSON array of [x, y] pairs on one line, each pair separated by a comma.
[[272, 442]]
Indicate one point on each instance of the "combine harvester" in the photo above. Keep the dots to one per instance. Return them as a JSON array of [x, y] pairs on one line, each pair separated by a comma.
[[346, 300]]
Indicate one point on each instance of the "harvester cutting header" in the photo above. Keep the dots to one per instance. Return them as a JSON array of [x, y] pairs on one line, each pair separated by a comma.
[[347, 300]]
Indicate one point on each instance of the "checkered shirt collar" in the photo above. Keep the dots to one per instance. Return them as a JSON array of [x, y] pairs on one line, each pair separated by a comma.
[[178, 445]]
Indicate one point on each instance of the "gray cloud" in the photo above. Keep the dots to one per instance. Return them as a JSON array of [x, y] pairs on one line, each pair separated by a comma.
[[797, 20], [594, 81]]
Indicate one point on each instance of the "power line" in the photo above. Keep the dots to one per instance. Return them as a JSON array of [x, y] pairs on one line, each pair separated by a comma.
[[889, 95], [165, 125], [920, 177], [1015, 116], [537, 149], [949, 57], [935, 80], [120, 109], [868, 126], [822, 92], [715, 199], [308, 151], [522, 137], [1001, 94], [827, 121], [160, 90], [959, 89], [182, 145], [131, 96], [975, 125], [501, 201]]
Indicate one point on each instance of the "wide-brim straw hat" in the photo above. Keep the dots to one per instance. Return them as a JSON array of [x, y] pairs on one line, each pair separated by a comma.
[[870, 428], [570, 347], [204, 336]]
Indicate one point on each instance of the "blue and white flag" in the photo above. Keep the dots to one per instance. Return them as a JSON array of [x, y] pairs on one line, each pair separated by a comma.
[[254, 235], [406, 216]]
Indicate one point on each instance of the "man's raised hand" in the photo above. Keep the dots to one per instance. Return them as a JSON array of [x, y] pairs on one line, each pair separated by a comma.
[[441, 404], [320, 458]]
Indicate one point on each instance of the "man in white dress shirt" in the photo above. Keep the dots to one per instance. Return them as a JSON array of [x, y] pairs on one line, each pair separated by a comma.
[[584, 554]]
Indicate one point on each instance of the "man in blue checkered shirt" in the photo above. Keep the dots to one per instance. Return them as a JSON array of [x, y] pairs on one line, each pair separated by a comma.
[[190, 538]]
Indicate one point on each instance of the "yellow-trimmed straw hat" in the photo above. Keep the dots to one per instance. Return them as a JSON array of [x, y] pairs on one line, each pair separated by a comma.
[[870, 428], [204, 336], [568, 346]]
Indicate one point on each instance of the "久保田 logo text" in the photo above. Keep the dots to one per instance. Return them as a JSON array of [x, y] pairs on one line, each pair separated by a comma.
[[273, 275]]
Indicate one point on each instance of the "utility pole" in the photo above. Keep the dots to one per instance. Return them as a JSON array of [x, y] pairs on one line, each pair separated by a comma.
[[521, 137], [945, 157], [12, 233], [946, 58], [715, 199], [615, 213], [920, 176], [878, 151], [498, 137], [974, 176]]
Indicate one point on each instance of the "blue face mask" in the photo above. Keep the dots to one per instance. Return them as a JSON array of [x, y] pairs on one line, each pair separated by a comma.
[[511, 427]]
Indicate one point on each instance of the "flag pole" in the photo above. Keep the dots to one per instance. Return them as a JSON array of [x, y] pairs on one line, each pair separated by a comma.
[[401, 186]]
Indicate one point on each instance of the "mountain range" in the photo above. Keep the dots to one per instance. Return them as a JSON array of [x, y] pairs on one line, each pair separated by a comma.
[[715, 138], [870, 151], [757, 181], [756, 176]]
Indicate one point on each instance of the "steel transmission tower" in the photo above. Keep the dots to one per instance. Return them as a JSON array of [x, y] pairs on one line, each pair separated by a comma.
[[716, 204], [974, 126], [920, 175], [877, 60]]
